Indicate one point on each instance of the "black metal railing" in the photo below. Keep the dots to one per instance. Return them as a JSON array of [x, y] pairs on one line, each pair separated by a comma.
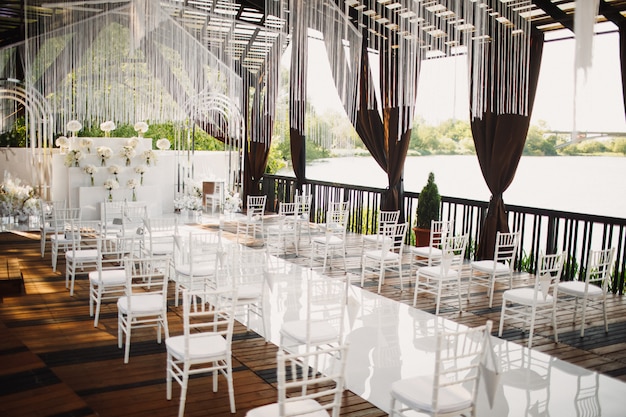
[[542, 230]]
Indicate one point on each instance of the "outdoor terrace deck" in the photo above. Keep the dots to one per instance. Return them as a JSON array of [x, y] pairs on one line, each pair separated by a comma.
[[54, 363]]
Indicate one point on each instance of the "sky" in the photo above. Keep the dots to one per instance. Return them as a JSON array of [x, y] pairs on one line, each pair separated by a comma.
[[443, 88]]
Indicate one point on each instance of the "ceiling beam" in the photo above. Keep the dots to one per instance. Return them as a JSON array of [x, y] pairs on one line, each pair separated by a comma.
[[556, 13]]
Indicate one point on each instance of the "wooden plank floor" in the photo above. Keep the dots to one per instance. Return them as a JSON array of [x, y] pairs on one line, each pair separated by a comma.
[[55, 363]]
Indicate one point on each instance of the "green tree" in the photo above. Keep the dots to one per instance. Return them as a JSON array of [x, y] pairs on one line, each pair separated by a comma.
[[619, 146]]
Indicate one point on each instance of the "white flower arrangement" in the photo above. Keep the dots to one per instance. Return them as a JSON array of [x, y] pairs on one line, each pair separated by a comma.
[[132, 184], [163, 144], [141, 128], [150, 157], [74, 126], [90, 170], [107, 127], [128, 152], [62, 142], [104, 152], [187, 202], [114, 170], [140, 169], [17, 199], [73, 158], [111, 184], [86, 143], [232, 202], [134, 141]]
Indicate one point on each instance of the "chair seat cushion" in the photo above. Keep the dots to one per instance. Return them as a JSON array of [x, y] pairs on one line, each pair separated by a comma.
[[306, 407], [142, 304], [526, 296], [204, 346], [198, 270], [82, 254], [378, 239], [426, 251], [109, 277], [248, 292], [321, 331], [488, 266], [577, 288], [382, 255], [417, 393], [436, 272], [328, 240]]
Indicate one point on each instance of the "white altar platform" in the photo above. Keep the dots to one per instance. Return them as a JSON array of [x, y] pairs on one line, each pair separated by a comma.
[[390, 340], [164, 177]]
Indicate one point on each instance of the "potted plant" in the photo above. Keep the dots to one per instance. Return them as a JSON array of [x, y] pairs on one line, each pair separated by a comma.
[[428, 205]]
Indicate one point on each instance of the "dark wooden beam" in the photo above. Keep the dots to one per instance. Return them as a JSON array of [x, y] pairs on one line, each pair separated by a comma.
[[556, 13]]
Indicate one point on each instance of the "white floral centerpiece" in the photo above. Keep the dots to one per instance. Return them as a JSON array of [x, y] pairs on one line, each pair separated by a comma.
[[107, 127], [115, 170], [110, 185], [63, 143], [141, 128], [104, 152], [17, 199], [132, 142], [163, 144], [132, 184], [86, 144], [74, 126], [150, 157], [140, 169], [232, 202], [73, 157], [128, 152], [90, 170]]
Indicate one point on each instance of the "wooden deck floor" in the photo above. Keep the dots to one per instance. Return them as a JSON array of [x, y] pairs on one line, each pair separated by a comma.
[[55, 363]]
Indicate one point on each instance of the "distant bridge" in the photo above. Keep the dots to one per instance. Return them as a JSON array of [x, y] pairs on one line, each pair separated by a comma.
[[583, 136]]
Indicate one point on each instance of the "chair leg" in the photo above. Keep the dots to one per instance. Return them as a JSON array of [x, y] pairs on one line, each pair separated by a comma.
[[554, 326], [492, 287], [584, 314], [532, 328], [502, 310], [606, 323], [183, 391]]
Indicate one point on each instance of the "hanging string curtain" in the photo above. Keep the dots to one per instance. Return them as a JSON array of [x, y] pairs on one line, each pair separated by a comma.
[[343, 48], [127, 64], [416, 30]]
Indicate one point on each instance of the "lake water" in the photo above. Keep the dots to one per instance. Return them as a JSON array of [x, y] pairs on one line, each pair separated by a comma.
[[581, 184]]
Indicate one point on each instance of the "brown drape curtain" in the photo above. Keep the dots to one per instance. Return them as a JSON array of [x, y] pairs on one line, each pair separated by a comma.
[[386, 139], [260, 123], [499, 141]]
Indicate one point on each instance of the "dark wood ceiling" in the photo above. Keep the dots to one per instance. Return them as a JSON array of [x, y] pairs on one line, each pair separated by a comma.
[[16, 16]]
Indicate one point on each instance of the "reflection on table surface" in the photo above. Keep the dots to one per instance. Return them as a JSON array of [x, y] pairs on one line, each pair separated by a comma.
[[390, 340]]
